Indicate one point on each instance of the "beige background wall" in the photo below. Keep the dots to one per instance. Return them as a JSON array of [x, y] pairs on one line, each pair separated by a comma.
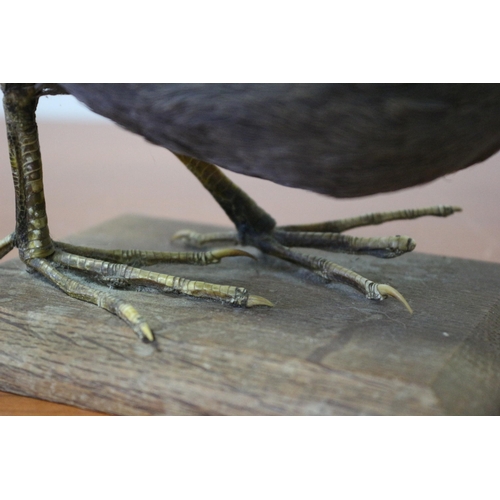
[[96, 171]]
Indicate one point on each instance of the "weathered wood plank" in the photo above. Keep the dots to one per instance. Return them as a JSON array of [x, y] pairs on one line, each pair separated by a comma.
[[323, 349]]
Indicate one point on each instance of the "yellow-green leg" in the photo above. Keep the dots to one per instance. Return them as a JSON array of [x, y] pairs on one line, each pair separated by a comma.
[[51, 259], [255, 227]]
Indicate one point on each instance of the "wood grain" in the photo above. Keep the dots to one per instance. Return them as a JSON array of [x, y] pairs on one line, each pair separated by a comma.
[[322, 350]]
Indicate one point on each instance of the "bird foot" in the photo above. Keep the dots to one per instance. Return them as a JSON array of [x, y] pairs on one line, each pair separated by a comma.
[[323, 267], [117, 269], [327, 236]]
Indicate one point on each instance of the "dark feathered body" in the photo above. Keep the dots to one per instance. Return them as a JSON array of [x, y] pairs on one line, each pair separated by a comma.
[[342, 140]]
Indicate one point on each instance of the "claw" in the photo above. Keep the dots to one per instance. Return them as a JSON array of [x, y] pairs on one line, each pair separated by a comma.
[[386, 290], [255, 300], [146, 331]]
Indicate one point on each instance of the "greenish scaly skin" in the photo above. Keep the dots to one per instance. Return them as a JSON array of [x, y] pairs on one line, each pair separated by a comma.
[[255, 227], [50, 258]]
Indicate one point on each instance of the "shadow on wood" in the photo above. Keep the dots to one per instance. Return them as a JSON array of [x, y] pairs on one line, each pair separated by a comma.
[[323, 350]]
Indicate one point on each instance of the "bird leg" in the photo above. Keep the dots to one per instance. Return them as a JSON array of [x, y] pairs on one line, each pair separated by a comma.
[[54, 260], [257, 228]]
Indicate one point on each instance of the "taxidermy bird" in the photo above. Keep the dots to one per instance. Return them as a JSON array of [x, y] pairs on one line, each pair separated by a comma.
[[343, 140]]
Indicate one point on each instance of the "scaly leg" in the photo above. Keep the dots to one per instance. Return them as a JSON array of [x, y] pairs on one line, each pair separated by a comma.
[[52, 259], [255, 227]]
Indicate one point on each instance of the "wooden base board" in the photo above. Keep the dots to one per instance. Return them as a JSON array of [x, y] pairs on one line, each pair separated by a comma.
[[323, 350]]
